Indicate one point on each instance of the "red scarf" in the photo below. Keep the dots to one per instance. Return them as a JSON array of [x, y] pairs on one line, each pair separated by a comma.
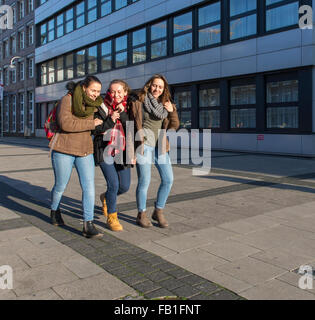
[[117, 141]]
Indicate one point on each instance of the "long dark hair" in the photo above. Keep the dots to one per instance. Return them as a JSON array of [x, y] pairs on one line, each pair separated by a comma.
[[70, 86]]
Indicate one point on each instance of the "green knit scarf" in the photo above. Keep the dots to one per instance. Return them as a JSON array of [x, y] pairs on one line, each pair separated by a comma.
[[82, 105]]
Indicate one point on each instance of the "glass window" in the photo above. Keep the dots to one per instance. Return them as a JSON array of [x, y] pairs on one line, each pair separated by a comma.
[[121, 51], [243, 118], [183, 22], [209, 29], [183, 103], [60, 29], [158, 40], [282, 16], [80, 55], [283, 117], [106, 7], [51, 30], [243, 27], [182, 29], [209, 14], [80, 19], [92, 59], [43, 33], [51, 71], [283, 91], [242, 95], [120, 4], [92, 10], [60, 69], [43, 74], [106, 60], [209, 97], [241, 6], [69, 20], [69, 66], [209, 119], [139, 46], [243, 18], [183, 43]]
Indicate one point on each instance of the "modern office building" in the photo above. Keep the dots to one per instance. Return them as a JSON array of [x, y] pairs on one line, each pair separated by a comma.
[[17, 70], [243, 68]]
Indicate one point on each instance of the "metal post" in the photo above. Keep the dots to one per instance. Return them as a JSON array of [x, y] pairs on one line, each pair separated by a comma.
[[1, 106]]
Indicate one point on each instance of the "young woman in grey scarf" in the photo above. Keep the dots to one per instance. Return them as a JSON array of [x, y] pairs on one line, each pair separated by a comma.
[[152, 112]]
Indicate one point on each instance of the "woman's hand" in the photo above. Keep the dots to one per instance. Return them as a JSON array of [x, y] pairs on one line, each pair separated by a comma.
[[121, 108], [115, 116], [98, 122], [168, 106], [134, 161]]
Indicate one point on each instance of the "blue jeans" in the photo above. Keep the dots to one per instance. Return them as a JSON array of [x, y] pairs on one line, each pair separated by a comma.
[[118, 182], [62, 164], [164, 166]]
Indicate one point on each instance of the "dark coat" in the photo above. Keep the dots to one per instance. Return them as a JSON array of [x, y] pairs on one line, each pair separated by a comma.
[[98, 143]]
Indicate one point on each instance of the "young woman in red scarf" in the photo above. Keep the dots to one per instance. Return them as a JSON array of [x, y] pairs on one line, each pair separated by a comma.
[[110, 149]]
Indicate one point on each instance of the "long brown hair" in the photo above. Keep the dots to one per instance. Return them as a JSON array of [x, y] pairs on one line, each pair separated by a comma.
[[165, 96]]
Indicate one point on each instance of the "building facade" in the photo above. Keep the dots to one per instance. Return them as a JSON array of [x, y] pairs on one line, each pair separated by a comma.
[[17, 70], [243, 68]]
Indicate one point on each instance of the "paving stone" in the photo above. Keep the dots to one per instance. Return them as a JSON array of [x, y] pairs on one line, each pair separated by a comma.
[[40, 278], [100, 259], [146, 286], [20, 233], [251, 270], [14, 261], [185, 291], [207, 287], [158, 276], [35, 256], [47, 294], [94, 288], [193, 280], [171, 284], [200, 297], [178, 273], [277, 290], [111, 265], [82, 267], [134, 279], [13, 224], [167, 266], [224, 295], [121, 272], [7, 295], [160, 294]]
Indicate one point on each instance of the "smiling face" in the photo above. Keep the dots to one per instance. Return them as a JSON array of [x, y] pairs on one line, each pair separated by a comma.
[[118, 92], [93, 91], [157, 88]]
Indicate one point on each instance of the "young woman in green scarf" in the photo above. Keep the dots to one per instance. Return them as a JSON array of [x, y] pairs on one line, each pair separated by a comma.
[[73, 145]]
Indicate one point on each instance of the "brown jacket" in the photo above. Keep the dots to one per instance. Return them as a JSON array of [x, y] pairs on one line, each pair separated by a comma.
[[75, 135], [171, 122]]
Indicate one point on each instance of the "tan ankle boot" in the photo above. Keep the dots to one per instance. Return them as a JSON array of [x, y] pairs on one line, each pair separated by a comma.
[[103, 200], [143, 220], [113, 223], [159, 217]]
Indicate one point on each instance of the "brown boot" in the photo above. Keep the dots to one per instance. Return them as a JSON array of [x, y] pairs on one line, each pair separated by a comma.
[[143, 220], [159, 217], [113, 223], [104, 206]]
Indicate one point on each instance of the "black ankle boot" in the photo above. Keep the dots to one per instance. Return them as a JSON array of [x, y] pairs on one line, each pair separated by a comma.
[[56, 218], [89, 230]]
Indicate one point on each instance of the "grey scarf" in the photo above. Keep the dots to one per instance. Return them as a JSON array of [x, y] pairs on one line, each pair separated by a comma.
[[152, 106]]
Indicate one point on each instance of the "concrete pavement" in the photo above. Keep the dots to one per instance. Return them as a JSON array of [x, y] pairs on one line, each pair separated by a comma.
[[241, 231]]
